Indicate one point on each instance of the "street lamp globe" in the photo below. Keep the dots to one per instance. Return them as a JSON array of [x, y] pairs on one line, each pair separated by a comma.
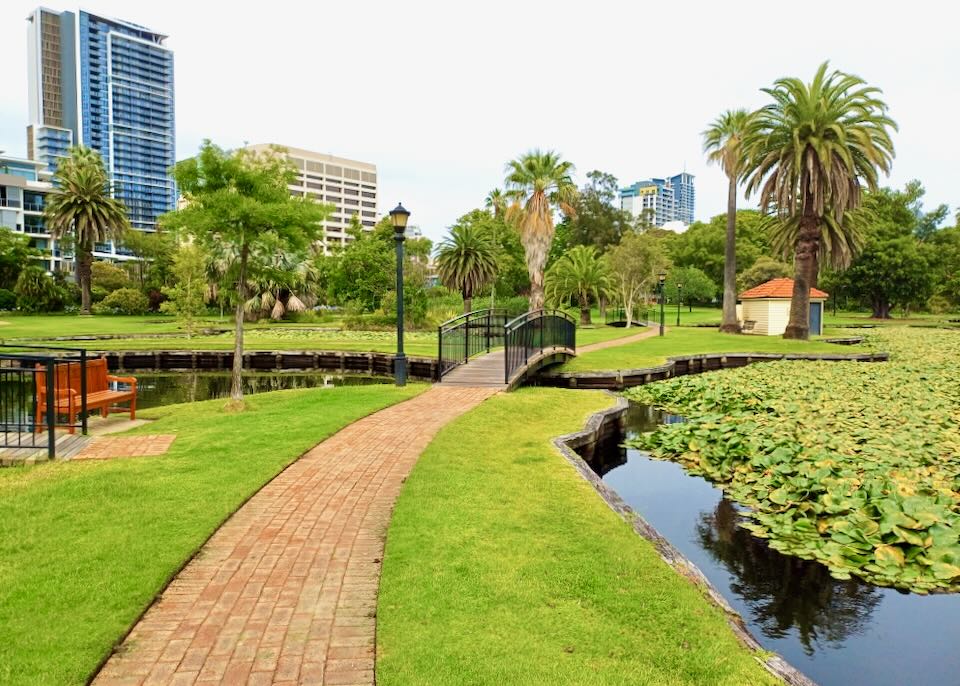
[[398, 217]]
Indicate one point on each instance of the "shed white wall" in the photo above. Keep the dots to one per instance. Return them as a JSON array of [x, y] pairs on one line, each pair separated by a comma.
[[771, 316]]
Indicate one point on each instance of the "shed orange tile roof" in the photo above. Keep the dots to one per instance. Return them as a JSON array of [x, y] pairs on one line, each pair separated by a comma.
[[778, 288]]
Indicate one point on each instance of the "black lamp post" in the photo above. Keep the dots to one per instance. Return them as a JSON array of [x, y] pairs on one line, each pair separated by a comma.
[[679, 298], [662, 276], [398, 217]]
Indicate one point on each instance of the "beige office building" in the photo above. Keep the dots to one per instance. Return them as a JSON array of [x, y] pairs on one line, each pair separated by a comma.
[[348, 185]]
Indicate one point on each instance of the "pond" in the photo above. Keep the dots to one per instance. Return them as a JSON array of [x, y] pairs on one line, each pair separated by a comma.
[[154, 390], [839, 633]]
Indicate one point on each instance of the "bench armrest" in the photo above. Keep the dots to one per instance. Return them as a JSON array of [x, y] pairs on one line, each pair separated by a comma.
[[132, 380]]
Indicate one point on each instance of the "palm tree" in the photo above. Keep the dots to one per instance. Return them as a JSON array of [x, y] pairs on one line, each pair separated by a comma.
[[496, 201], [579, 276], [467, 262], [722, 142], [80, 204], [808, 153], [538, 183]]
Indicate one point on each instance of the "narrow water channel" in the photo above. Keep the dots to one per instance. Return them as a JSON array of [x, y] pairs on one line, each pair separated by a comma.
[[839, 633], [154, 390]]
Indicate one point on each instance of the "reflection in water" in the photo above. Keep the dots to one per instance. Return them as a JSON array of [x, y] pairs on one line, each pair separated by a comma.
[[785, 592], [154, 390]]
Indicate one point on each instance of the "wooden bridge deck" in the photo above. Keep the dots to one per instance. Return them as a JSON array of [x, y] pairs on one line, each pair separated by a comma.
[[485, 371]]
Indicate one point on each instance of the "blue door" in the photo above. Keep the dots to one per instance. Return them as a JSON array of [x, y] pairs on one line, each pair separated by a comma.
[[816, 319]]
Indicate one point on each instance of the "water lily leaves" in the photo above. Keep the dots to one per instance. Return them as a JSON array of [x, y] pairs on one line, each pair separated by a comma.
[[855, 465]]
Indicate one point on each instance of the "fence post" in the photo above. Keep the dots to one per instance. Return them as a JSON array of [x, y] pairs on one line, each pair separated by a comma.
[[83, 390], [51, 410], [489, 315], [439, 353]]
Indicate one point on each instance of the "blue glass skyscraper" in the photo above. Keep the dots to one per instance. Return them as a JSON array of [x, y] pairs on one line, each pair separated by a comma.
[[106, 84]]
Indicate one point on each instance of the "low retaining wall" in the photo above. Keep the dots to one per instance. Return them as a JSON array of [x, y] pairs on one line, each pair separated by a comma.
[[604, 424], [340, 361], [688, 364]]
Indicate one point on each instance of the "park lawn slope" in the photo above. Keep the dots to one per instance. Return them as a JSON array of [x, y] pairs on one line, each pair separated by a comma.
[[503, 566], [87, 545], [654, 351]]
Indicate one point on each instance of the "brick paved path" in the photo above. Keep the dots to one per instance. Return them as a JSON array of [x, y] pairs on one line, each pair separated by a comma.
[[104, 447], [285, 592]]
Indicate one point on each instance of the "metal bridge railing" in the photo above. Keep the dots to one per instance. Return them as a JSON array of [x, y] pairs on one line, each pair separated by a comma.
[[469, 334], [533, 333]]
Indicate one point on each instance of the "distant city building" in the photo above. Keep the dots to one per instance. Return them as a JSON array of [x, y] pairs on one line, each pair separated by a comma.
[[24, 185], [106, 84], [662, 201], [350, 186]]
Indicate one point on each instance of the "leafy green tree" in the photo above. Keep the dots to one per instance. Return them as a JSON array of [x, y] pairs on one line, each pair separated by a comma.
[[634, 265], [237, 202], [36, 291], [762, 270], [703, 245], [696, 287], [108, 276], [723, 143], [80, 205], [155, 251], [808, 153], [15, 254], [363, 271], [467, 262], [187, 298], [596, 219], [539, 183], [579, 276]]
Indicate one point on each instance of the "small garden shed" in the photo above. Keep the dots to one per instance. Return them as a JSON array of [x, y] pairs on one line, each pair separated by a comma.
[[765, 309]]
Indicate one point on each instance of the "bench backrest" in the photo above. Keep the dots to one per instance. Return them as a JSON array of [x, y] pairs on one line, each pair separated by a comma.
[[67, 376]]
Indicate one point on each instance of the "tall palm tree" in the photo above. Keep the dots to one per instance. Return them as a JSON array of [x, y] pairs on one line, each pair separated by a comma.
[[808, 153], [578, 276], [467, 262], [538, 183], [80, 204], [723, 144], [496, 201]]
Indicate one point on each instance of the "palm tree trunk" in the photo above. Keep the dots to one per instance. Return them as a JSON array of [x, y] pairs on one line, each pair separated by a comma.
[[467, 304], [808, 247], [84, 276], [730, 324], [585, 312], [236, 373]]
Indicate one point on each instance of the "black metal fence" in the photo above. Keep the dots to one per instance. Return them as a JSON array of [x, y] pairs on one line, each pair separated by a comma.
[[42, 390], [469, 334], [639, 315], [533, 333]]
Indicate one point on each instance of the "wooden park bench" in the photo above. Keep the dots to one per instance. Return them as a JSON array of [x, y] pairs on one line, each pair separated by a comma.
[[99, 395]]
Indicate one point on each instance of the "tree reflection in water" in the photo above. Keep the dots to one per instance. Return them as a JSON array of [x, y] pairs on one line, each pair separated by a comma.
[[785, 592]]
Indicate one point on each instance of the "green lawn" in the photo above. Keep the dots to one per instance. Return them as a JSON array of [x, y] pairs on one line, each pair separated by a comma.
[[85, 546], [688, 341], [504, 567]]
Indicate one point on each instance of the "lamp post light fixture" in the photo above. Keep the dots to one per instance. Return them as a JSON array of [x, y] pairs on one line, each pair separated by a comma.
[[662, 280], [679, 299], [398, 217]]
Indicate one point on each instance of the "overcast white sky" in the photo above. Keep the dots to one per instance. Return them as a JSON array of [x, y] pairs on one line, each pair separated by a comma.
[[439, 95]]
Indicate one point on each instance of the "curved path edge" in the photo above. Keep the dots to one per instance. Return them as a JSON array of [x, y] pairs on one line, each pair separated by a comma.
[[285, 591], [598, 426]]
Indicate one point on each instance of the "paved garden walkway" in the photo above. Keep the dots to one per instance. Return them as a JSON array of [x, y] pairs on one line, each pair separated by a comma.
[[647, 332], [285, 592]]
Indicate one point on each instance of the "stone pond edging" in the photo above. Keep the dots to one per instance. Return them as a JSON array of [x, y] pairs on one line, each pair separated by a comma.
[[338, 361], [601, 425], [618, 379]]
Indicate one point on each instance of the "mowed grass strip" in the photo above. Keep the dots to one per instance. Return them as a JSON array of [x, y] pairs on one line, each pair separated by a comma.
[[654, 351], [503, 566], [85, 546]]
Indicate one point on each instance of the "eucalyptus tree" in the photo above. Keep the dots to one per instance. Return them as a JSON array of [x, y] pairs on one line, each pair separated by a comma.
[[723, 144], [538, 183], [579, 276], [808, 154], [80, 206], [467, 261], [237, 203]]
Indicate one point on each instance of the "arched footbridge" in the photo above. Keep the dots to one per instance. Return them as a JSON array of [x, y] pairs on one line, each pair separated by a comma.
[[486, 348]]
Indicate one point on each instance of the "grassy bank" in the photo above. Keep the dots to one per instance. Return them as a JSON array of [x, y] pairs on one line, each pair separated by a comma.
[[504, 567], [87, 545], [689, 341]]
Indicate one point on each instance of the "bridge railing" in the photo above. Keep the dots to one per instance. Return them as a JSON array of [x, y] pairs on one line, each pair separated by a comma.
[[469, 334], [533, 333]]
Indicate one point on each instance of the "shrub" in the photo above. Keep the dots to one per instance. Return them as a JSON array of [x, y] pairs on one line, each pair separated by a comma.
[[108, 277], [36, 291], [124, 301], [8, 299], [938, 305]]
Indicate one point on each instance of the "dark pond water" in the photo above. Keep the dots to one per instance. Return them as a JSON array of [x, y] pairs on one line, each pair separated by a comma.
[[839, 633], [154, 390]]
